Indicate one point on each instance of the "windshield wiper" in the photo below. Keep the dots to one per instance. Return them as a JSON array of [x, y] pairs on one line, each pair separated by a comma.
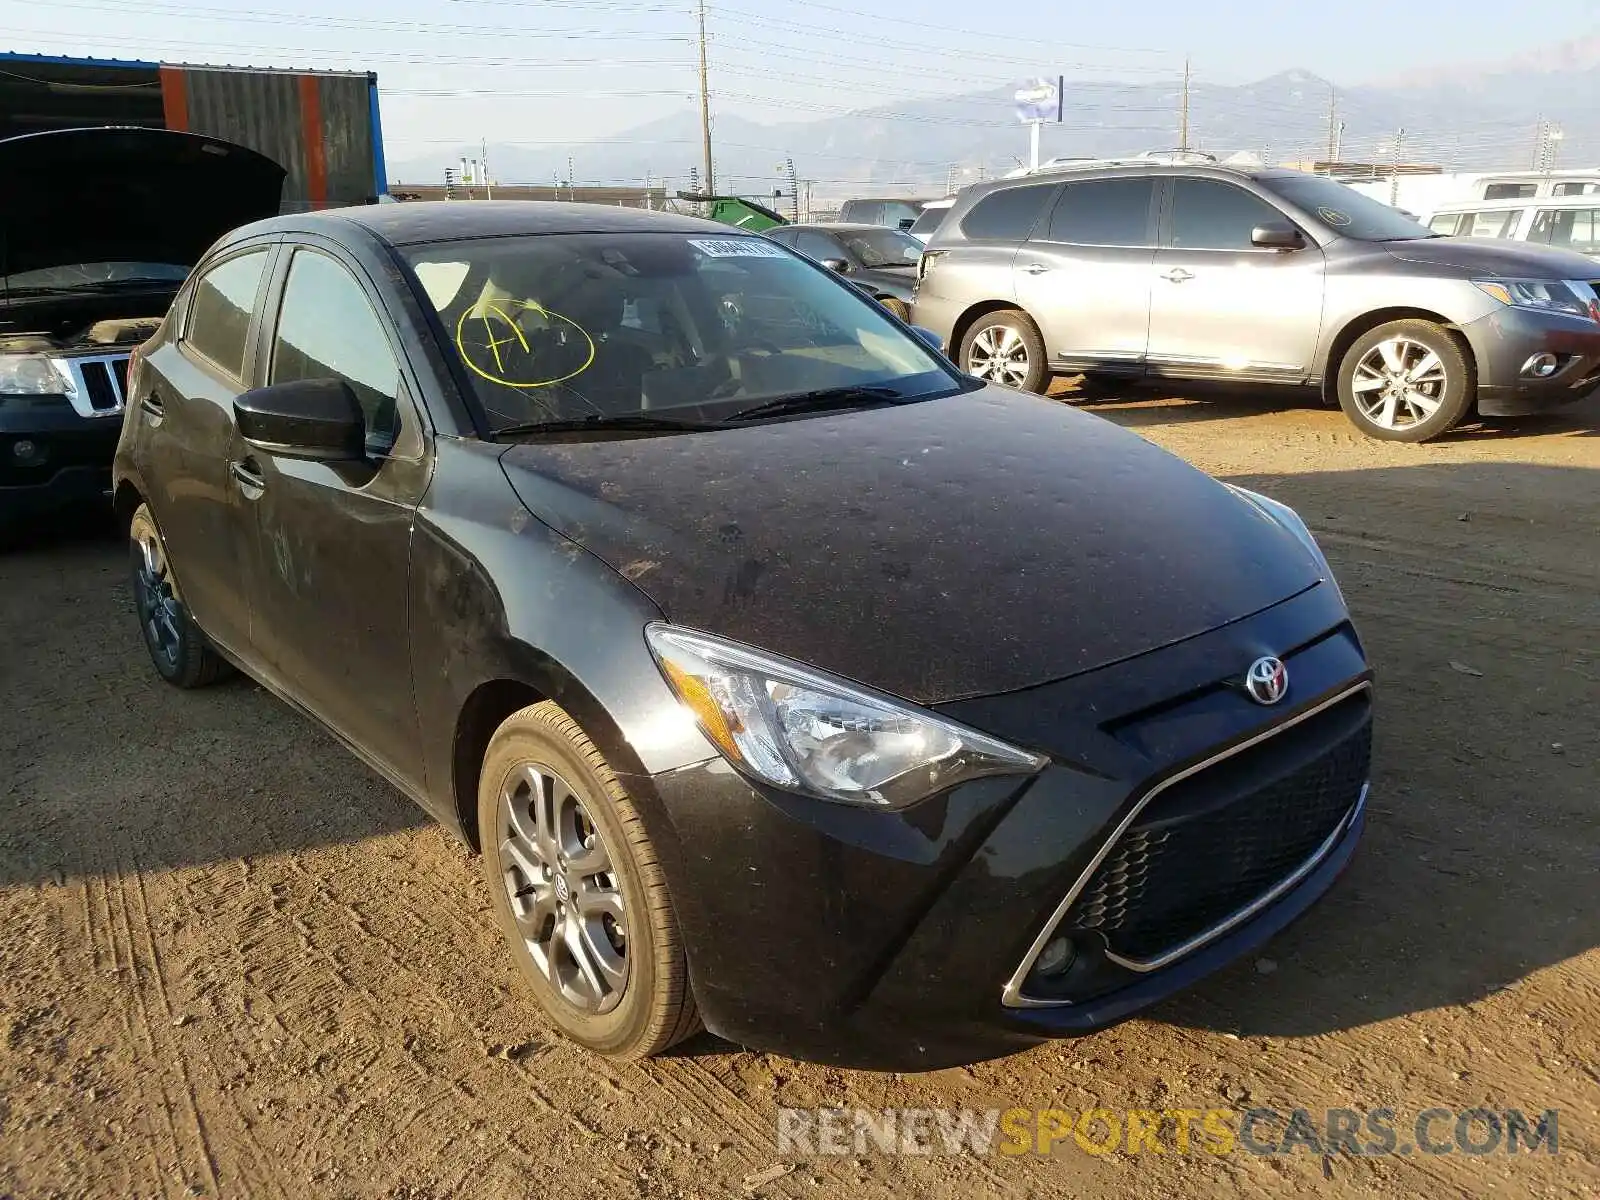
[[641, 422], [820, 401]]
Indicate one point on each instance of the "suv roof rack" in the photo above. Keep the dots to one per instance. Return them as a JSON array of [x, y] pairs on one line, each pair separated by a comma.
[[1146, 158]]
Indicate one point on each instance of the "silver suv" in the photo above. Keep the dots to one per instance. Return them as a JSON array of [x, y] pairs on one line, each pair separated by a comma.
[[1262, 276]]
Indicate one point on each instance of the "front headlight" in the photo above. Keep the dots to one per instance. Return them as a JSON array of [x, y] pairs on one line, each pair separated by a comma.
[[1547, 295], [32, 375], [1291, 522], [806, 732]]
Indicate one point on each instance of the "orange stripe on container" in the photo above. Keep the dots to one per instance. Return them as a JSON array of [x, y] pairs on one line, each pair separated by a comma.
[[311, 136], [175, 99]]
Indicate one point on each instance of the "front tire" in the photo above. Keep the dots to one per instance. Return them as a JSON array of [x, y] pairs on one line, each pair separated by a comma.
[[898, 307], [1005, 347], [1405, 381], [578, 891], [178, 649]]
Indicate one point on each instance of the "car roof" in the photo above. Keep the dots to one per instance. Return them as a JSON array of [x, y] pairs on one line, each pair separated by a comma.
[[1591, 200], [842, 226], [416, 222]]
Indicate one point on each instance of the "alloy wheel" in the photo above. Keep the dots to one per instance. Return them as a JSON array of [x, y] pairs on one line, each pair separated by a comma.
[[564, 891], [1399, 383], [160, 611], [999, 354]]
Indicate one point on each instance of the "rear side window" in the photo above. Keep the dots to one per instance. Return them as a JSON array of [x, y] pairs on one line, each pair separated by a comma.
[[1492, 224], [1103, 212], [219, 314], [1445, 223], [327, 329], [1208, 215], [1574, 228], [929, 221], [1008, 215]]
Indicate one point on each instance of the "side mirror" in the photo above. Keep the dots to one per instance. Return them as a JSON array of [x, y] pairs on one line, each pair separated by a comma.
[[929, 336], [1277, 235], [310, 418], [837, 265]]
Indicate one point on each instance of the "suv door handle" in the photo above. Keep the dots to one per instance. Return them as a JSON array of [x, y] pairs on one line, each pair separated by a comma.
[[152, 405], [1178, 275], [248, 476], [1035, 268]]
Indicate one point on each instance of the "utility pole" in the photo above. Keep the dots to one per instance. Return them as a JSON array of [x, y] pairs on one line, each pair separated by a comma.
[[705, 107], [1333, 123], [793, 180], [1183, 125], [488, 184], [1394, 172], [571, 179]]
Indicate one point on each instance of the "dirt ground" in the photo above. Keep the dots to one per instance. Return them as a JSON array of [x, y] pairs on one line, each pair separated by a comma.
[[235, 963]]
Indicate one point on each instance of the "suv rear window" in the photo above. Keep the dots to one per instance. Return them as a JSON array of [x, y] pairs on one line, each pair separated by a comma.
[[1009, 214], [1103, 212]]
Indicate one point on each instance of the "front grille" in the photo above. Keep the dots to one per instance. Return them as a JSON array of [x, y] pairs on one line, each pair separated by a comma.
[[1209, 846], [102, 393]]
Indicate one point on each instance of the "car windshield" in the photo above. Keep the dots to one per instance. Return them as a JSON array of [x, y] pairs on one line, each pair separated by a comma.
[[877, 248], [81, 275], [563, 327], [1346, 211]]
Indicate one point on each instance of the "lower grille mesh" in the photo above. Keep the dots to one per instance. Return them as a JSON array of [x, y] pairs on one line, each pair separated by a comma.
[[1189, 863]]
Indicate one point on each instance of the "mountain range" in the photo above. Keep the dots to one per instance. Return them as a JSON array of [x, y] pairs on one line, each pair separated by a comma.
[[1487, 116]]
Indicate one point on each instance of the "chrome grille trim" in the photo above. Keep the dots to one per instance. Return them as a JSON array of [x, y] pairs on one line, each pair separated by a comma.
[[79, 397]]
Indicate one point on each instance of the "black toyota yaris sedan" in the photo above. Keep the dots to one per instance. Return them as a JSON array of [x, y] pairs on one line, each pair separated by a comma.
[[791, 683]]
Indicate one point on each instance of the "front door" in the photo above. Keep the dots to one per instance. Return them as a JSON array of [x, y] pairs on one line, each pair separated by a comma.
[[1084, 275], [331, 579], [1219, 304], [186, 437]]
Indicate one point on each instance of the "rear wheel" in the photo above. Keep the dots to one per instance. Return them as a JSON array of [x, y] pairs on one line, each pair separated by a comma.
[[1004, 347], [180, 652], [1405, 381], [578, 891]]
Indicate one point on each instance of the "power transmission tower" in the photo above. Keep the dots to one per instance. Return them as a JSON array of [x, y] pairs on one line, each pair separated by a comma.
[[1333, 124], [705, 107], [1394, 173], [1183, 120]]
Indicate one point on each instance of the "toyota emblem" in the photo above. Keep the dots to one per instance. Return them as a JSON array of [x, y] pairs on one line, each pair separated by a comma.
[[1267, 680]]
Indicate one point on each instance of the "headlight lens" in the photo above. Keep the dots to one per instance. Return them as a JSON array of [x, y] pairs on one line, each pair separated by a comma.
[[1293, 523], [32, 375], [806, 732], [1548, 295]]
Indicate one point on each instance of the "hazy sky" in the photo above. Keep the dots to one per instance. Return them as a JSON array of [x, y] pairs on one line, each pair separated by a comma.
[[538, 72]]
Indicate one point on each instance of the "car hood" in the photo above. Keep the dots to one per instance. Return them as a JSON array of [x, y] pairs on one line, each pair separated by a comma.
[[938, 550], [125, 195], [1496, 256]]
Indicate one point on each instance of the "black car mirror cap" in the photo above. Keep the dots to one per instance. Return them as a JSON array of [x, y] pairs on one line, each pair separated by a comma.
[[1277, 235], [838, 265], [309, 418]]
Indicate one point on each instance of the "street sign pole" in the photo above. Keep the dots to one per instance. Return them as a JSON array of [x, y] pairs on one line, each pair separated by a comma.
[[1033, 144]]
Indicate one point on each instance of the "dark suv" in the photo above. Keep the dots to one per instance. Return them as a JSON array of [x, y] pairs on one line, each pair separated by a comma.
[[1270, 276]]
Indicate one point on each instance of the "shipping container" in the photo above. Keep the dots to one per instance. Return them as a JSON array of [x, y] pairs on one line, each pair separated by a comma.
[[322, 127]]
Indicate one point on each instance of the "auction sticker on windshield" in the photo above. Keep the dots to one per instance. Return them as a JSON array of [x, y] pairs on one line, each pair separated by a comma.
[[745, 247]]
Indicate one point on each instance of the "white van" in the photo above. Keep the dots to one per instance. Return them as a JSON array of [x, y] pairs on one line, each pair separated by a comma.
[[1571, 222]]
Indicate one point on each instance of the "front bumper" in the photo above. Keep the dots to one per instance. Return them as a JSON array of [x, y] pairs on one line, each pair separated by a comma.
[[69, 463], [888, 940], [1505, 339]]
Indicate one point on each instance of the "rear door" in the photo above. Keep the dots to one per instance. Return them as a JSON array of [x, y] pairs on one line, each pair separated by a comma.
[[1085, 274], [184, 437], [331, 576], [1218, 304]]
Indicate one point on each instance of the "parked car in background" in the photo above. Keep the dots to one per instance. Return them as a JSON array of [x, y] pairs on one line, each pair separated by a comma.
[[1568, 222], [894, 213], [882, 262], [98, 229], [932, 216], [1206, 271], [712, 605]]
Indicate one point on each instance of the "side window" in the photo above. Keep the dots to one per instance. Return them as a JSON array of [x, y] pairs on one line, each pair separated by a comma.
[[1008, 215], [1209, 215], [900, 216], [818, 246], [865, 212], [328, 330], [1103, 212], [1574, 228], [1445, 223], [219, 315], [1509, 191], [1496, 223]]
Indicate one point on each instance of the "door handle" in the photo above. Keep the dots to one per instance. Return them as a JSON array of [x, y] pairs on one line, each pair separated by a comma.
[[152, 405], [247, 475], [1035, 268], [1178, 275]]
